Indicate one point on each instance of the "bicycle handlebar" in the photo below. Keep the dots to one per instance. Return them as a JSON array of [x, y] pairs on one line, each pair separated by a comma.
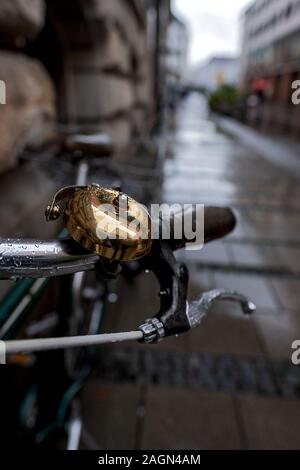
[[41, 259], [21, 258], [38, 259]]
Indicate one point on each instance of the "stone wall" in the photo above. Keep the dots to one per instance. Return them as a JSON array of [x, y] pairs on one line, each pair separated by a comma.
[[92, 58], [28, 116], [20, 20], [109, 70]]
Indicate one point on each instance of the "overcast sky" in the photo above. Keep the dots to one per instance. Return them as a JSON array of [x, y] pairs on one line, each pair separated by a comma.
[[213, 24]]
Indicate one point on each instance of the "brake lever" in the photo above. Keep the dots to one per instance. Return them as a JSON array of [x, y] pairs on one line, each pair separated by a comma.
[[200, 308], [176, 315]]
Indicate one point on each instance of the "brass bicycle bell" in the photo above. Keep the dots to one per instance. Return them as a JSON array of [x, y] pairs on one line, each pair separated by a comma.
[[104, 221]]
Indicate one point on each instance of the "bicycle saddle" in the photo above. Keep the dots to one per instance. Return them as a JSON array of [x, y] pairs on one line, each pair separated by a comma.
[[97, 145]]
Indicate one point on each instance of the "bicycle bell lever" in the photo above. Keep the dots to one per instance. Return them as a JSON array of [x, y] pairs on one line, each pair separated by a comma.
[[176, 315], [53, 211]]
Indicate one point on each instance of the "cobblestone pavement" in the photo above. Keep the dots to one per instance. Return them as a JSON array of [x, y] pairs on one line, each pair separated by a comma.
[[230, 384]]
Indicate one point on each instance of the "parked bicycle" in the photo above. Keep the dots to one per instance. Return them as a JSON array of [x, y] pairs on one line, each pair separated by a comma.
[[60, 346]]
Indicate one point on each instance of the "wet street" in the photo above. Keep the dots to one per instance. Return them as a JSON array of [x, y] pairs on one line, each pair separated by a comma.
[[230, 384]]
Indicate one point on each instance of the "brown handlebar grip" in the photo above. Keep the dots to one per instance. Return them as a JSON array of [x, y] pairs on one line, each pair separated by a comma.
[[218, 222]]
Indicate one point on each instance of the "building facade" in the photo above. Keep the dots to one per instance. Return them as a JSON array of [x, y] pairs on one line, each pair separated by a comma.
[[177, 51], [270, 60], [216, 72]]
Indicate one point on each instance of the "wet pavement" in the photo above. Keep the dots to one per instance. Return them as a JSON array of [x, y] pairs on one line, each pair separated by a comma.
[[230, 383]]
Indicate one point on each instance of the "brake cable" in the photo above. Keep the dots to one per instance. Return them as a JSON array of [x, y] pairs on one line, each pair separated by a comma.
[[51, 344], [175, 316], [152, 331]]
